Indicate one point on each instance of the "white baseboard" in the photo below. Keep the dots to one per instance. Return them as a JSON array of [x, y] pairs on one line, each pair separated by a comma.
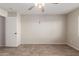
[[33, 43], [43, 43], [2, 45], [71, 45]]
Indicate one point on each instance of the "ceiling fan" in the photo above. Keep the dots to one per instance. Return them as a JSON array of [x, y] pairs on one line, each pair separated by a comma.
[[39, 5]]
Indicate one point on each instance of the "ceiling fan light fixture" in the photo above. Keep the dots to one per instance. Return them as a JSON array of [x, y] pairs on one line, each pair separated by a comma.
[[43, 4], [36, 4], [39, 5]]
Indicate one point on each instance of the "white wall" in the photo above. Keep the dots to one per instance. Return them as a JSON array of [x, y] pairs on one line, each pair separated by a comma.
[[51, 29], [3, 12], [18, 29], [72, 29]]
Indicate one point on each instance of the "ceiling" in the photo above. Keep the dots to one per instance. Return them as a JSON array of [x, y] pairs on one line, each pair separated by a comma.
[[22, 8]]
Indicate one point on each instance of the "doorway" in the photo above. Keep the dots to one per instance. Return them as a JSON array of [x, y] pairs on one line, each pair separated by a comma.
[[2, 31]]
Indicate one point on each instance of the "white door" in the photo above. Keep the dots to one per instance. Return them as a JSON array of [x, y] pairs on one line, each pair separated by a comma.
[[11, 29]]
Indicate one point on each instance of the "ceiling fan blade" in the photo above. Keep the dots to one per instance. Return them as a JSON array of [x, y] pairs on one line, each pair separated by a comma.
[[31, 8], [42, 9]]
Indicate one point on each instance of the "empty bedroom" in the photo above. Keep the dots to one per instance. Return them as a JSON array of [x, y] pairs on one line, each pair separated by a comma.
[[39, 29]]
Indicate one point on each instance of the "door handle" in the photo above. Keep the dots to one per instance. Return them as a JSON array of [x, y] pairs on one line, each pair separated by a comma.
[[15, 33]]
